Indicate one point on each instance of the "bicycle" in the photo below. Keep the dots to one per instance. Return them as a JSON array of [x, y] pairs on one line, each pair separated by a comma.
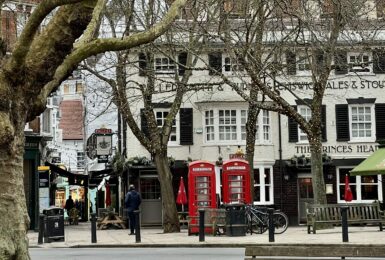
[[257, 219]]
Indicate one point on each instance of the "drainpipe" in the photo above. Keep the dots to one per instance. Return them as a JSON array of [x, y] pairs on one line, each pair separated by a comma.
[[280, 156]]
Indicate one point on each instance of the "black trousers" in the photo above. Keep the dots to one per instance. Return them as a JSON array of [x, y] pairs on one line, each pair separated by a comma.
[[131, 216]]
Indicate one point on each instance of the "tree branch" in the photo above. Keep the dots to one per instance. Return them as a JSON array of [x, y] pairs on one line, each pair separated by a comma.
[[102, 45], [26, 38]]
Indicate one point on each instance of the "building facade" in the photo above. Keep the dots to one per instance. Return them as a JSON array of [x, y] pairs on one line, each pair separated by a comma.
[[211, 124]]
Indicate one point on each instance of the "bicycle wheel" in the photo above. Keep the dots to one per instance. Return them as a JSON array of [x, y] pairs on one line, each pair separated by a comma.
[[280, 221], [256, 226]]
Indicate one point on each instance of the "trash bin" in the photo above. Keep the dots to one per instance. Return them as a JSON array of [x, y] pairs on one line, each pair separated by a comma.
[[54, 225], [235, 220]]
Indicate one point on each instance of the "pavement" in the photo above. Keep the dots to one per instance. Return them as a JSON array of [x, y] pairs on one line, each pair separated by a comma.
[[80, 236]]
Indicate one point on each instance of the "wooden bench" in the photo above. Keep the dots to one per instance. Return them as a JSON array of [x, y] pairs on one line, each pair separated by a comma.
[[214, 222], [358, 213]]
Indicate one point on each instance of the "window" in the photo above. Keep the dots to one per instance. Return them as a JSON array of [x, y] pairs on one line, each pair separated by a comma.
[[229, 125], [209, 125], [235, 9], [66, 89], [233, 65], [359, 62], [304, 111], [263, 185], [364, 188], [362, 122], [46, 121], [164, 65], [303, 63], [160, 116], [80, 160], [79, 87]]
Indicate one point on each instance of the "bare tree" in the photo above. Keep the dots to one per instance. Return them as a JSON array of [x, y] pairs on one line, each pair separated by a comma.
[[263, 40], [157, 83], [38, 64]]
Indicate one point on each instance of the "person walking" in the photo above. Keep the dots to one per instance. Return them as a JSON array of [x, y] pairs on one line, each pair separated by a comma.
[[132, 202], [68, 206]]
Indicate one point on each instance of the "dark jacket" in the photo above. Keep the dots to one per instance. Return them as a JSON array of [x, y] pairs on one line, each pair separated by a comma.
[[132, 200], [69, 204]]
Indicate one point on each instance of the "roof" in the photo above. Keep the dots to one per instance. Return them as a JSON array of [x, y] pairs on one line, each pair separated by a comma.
[[71, 121], [373, 165]]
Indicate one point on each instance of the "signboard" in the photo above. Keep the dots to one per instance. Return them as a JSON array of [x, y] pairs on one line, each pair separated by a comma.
[[44, 178], [103, 144], [103, 131], [43, 199], [102, 158], [236, 156]]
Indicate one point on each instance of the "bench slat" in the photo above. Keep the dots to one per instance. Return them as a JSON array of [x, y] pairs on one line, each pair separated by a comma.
[[363, 213]]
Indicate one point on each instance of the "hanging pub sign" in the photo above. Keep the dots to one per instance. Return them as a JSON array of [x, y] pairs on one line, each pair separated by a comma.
[[103, 141]]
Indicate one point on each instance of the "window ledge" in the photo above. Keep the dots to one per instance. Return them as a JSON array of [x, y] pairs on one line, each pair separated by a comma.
[[371, 141]]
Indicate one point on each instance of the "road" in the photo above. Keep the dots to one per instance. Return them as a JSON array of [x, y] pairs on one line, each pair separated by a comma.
[[152, 253]]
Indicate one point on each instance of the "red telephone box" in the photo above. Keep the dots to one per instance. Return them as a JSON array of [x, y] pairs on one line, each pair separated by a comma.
[[201, 183], [236, 182]]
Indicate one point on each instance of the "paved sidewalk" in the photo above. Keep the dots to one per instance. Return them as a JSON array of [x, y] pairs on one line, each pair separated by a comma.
[[80, 236]]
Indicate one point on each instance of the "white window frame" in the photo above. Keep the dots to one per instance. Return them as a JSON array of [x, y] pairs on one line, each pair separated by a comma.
[[232, 65], [358, 184], [164, 67], [230, 121], [356, 62], [176, 120], [80, 160], [264, 120], [263, 186], [372, 138], [302, 136]]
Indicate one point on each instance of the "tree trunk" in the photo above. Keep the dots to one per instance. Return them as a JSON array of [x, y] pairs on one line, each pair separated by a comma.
[[317, 171], [170, 213], [251, 130], [13, 211]]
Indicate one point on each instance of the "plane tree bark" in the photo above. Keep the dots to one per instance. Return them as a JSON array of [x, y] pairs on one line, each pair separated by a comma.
[[37, 66]]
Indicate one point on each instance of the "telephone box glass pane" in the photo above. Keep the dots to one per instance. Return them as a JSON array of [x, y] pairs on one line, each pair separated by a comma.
[[202, 191], [236, 188]]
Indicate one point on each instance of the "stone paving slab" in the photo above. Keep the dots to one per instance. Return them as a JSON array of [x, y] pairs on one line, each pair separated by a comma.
[[80, 236]]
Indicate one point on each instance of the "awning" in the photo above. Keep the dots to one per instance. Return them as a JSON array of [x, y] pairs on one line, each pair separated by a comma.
[[73, 178], [373, 165]]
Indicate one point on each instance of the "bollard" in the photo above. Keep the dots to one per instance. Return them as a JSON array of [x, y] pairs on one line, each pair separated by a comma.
[[271, 224], [93, 227], [201, 225], [344, 223], [41, 229], [137, 226], [46, 239]]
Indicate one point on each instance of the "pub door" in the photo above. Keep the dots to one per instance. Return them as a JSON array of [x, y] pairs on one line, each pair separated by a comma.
[[305, 195], [151, 207]]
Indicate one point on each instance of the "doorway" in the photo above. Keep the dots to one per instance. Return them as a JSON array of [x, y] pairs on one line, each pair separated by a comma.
[[305, 195], [151, 207]]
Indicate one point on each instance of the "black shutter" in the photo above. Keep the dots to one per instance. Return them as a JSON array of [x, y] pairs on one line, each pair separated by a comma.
[[293, 129], [215, 63], [380, 121], [142, 64], [323, 122], [320, 60], [342, 122], [182, 60], [143, 123], [340, 63], [186, 126], [291, 63], [379, 62]]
